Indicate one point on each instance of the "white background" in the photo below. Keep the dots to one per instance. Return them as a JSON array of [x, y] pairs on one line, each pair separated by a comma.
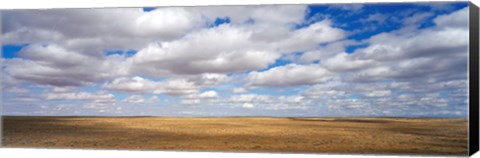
[[62, 153]]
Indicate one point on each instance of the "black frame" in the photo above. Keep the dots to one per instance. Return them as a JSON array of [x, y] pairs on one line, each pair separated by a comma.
[[473, 79]]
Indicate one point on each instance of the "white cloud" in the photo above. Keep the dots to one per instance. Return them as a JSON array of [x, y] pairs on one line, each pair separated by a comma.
[[190, 101], [198, 98], [164, 42], [167, 22], [290, 75], [380, 93], [208, 94], [135, 99], [316, 93], [117, 25], [221, 49], [153, 99], [141, 85], [181, 54], [417, 18], [99, 97], [376, 17], [349, 7], [243, 98], [343, 62], [325, 52], [247, 105], [439, 52], [239, 90], [209, 79], [292, 99], [54, 65], [135, 84], [141, 99], [15, 90], [307, 38], [457, 19]]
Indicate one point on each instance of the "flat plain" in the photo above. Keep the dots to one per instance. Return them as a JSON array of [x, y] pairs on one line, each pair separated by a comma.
[[421, 136]]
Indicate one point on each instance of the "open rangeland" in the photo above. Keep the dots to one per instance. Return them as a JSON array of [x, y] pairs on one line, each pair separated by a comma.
[[242, 134]]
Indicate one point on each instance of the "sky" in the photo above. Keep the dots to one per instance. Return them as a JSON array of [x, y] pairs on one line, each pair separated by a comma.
[[335, 60]]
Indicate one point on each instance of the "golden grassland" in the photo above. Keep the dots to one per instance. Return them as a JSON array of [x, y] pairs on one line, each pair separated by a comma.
[[242, 134]]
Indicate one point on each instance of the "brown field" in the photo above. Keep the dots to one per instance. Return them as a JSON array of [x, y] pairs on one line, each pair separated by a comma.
[[242, 134]]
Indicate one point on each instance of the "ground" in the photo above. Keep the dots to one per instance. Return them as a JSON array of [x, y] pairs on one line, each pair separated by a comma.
[[423, 136]]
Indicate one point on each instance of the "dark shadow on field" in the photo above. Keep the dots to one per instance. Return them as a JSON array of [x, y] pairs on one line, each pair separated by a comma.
[[63, 126]]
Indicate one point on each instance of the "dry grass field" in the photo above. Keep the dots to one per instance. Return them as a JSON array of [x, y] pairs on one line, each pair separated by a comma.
[[242, 134]]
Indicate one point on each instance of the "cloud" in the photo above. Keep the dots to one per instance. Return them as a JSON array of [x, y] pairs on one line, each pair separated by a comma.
[[141, 99], [209, 79], [204, 95], [208, 94], [100, 97], [375, 17], [239, 90], [290, 75], [317, 93], [243, 98], [15, 90], [343, 62], [457, 19], [165, 41], [276, 14], [135, 99], [123, 27], [292, 99], [218, 50], [327, 51], [248, 105], [141, 85], [54, 65], [402, 55], [382, 93], [417, 18], [307, 38], [266, 60]]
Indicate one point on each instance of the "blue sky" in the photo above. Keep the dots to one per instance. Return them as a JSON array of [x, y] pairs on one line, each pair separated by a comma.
[[405, 60]]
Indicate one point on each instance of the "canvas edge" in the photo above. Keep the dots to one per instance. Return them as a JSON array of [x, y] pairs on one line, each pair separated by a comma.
[[473, 79]]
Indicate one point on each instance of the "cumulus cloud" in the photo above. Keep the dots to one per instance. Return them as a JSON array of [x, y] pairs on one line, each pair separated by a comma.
[[343, 62], [100, 97], [135, 99], [317, 92], [165, 42], [262, 50], [141, 85], [208, 94], [247, 105], [204, 95], [15, 90], [402, 55], [290, 75], [119, 26], [327, 51], [54, 65], [209, 79], [239, 90], [217, 50], [242, 98], [456, 19], [383, 93], [308, 38], [141, 99], [292, 99]]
